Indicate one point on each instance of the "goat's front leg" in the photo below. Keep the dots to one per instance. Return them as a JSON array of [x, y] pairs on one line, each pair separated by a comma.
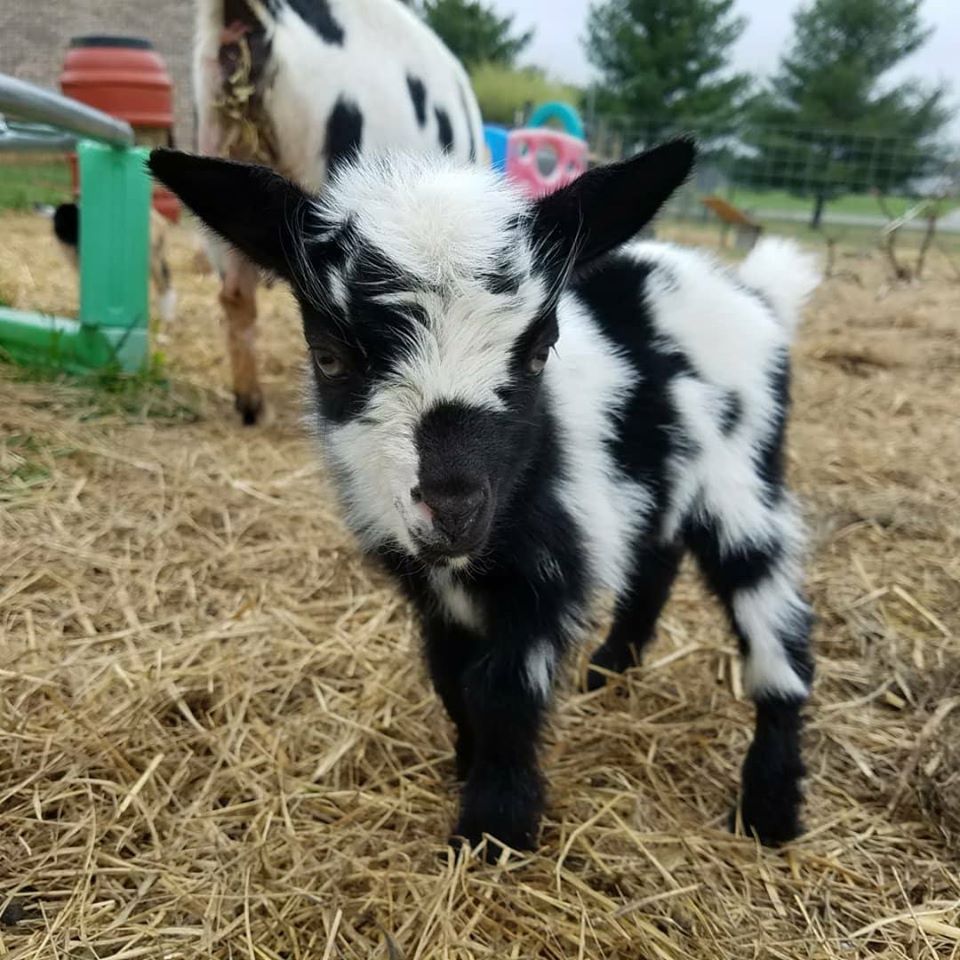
[[238, 296], [505, 695], [450, 649]]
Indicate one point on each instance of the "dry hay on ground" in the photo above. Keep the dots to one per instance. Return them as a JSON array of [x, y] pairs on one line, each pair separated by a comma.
[[216, 738]]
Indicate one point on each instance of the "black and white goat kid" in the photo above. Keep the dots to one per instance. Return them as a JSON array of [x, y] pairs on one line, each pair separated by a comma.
[[522, 407]]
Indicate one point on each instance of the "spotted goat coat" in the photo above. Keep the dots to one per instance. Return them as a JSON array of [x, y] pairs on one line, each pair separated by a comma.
[[523, 407], [304, 85]]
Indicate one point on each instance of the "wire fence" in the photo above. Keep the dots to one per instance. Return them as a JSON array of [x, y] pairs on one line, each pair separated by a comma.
[[781, 177], [804, 175]]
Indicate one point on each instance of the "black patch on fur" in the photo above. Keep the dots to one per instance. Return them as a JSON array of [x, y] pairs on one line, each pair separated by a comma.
[[726, 569], [729, 571], [504, 279], [418, 95], [731, 412], [344, 134], [540, 334], [648, 430], [373, 336], [502, 283], [238, 11], [444, 129], [472, 153], [66, 224], [317, 15], [770, 461]]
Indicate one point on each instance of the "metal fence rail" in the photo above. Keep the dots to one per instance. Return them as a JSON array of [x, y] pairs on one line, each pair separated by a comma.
[[24, 101]]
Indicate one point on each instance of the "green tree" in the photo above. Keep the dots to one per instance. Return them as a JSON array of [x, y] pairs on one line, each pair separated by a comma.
[[666, 59], [474, 31], [828, 123]]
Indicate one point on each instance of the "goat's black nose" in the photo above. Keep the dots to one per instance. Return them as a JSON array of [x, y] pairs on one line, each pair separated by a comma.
[[455, 510]]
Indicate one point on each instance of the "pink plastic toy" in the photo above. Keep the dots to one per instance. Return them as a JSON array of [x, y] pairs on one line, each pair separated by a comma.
[[540, 161]]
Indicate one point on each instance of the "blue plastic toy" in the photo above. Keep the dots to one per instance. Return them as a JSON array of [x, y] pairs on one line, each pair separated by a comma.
[[567, 116], [496, 139]]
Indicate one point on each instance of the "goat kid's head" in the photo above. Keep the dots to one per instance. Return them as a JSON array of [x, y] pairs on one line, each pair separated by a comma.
[[428, 294]]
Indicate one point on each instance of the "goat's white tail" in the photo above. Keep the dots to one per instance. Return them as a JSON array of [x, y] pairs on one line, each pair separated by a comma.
[[784, 274]]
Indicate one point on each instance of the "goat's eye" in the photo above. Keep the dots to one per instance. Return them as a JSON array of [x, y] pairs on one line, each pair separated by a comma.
[[329, 365], [538, 361]]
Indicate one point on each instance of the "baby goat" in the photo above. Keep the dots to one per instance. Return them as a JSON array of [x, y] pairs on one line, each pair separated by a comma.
[[521, 408]]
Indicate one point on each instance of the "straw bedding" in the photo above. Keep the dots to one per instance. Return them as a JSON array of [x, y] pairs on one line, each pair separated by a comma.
[[217, 740]]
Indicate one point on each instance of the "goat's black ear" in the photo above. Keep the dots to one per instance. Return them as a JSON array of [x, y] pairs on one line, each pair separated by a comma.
[[608, 205], [251, 207]]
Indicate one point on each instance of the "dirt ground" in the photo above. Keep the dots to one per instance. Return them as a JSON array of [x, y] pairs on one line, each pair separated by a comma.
[[217, 738]]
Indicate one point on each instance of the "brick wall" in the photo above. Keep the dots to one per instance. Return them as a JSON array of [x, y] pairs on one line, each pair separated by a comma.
[[34, 35]]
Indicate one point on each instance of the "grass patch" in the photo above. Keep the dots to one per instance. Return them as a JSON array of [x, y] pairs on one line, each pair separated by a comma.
[[148, 395], [27, 182], [853, 204], [853, 238], [20, 468]]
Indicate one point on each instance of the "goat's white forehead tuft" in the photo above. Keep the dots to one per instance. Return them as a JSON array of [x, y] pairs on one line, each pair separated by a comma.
[[438, 220]]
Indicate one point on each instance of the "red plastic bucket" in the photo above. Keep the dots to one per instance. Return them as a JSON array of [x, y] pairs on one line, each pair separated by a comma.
[[125, 77]]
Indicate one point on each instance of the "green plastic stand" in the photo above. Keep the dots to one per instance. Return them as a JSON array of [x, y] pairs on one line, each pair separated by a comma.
[[112, 330]]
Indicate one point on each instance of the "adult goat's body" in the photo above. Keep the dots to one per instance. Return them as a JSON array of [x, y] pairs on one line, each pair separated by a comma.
[[522, 409], [305, 85]]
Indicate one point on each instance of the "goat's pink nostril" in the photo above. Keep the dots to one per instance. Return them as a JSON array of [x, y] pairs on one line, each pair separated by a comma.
[[419, 506]]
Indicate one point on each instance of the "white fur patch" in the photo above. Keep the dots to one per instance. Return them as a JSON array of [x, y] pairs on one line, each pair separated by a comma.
[[718, 476], [589, 383], [441, 223], [378, 461], [762, 612], [725, 332], [455, 601], [784, 273], [539, 665]]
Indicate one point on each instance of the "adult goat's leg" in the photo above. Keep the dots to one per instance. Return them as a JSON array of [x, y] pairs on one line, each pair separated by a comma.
[[238, 296]]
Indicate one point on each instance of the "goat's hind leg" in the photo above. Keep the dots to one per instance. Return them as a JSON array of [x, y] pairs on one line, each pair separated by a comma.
[[759, 583], [636, 615]]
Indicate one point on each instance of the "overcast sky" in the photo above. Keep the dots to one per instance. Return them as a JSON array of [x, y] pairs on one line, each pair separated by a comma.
[[560, 25]]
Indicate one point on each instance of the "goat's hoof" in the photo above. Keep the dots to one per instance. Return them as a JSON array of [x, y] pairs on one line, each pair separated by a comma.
[[607, 661], [492, 850], [772, 827], [518, 831], [249, 406]]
